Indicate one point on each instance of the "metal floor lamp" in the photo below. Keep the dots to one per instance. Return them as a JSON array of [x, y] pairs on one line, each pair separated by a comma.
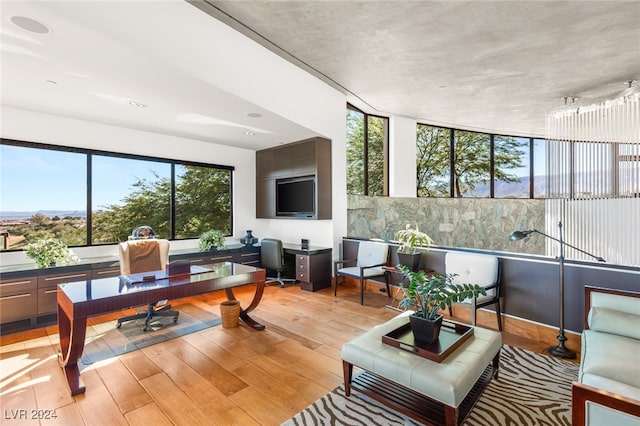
[[559, 350]]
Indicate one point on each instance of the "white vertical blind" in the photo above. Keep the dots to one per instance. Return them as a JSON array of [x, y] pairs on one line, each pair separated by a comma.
[[593, 159]]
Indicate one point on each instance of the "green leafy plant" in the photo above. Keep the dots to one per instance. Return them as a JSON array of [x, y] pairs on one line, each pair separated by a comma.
[[431, 292], [47, 252], [212, 239], [410, 238]]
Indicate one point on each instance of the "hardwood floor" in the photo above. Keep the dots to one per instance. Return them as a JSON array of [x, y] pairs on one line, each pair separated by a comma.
[[216, 376]]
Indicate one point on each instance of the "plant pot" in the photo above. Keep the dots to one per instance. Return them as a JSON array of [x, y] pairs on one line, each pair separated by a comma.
[[411, 261], [425, 330], [230, 313]]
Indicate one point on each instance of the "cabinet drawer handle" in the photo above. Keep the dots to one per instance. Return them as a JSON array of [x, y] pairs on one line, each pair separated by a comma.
[[221, 257], [111, 271], [51, 291], [16, 283], [248, 255], [15, 296], [195, 260], [65, 277]]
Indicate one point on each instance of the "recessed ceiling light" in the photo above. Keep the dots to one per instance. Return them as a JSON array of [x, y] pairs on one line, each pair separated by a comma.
[[254, 114], [137, 104], [249, 133], [29, 24]]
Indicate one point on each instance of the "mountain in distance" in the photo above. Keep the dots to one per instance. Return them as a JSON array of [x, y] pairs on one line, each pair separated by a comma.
[[516, 189], [18, 215]]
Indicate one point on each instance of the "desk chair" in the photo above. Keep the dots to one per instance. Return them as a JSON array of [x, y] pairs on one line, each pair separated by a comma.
[[145, 255], [481, 269], [272, 257], [368, 263]]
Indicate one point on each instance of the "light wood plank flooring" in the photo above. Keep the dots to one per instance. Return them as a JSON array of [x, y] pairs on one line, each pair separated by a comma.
[[218, 376]]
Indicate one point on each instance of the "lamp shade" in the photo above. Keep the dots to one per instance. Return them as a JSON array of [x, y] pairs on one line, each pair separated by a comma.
[[518, 235]]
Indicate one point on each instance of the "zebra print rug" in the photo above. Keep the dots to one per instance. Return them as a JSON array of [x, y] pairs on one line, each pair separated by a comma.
[[532, 389]]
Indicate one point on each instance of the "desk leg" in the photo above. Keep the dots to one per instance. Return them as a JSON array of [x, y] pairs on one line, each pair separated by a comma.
[[244, 314], [72, 334]]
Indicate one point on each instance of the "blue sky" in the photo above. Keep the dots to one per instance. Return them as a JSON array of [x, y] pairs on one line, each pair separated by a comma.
[[36, 179]]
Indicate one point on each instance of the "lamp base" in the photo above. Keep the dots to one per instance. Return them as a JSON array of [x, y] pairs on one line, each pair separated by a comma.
[[561, 352]]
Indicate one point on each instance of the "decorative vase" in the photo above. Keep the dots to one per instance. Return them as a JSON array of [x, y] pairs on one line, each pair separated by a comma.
[[411, 261], [426, 330], [248, 239]]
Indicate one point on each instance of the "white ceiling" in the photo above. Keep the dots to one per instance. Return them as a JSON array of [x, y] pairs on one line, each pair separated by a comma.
[[495, 66]]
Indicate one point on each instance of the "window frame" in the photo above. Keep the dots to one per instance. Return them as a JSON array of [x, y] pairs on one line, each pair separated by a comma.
[[385, 150], [452, 163], [89, 153]]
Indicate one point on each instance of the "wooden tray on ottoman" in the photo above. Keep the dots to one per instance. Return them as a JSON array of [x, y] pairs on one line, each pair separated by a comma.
[[452, 335]]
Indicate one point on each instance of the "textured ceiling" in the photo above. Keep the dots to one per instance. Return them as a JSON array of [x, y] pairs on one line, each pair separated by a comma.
[[498, 66]]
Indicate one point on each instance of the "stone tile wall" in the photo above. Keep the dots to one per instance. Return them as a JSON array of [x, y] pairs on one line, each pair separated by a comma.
[[451, 222]]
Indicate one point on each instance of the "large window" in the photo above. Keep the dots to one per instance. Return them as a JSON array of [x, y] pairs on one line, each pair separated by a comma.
[[471, 164], [460, 163], [433, 153], [367, 156], [512, 167], [86, 197]]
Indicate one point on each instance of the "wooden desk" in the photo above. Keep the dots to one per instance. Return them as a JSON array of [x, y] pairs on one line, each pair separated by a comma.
[[81, 299]]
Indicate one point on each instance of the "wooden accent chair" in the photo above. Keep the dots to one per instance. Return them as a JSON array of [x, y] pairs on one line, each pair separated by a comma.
[[372, 256], [481, 269]]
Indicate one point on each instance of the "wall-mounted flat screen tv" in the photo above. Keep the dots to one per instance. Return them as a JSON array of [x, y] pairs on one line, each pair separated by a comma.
[[296, 197]]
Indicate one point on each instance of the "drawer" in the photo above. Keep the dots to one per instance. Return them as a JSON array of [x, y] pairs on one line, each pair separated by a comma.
[[252, 259], [51, 281], [47, 300], [302, 268], [18, 306], [17, 286]]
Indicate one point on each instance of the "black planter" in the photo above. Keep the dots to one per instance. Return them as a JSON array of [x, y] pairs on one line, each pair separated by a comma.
[[411, 261], [424, 329]]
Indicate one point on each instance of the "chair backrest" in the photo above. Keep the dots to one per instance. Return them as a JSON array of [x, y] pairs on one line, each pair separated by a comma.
[[473, 268], [271, 254], [371, 253], [137, 256]]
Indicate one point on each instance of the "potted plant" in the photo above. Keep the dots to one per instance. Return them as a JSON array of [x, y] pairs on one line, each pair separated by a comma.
[[430, 293], [50, 252], [212, 239], [409, 239]]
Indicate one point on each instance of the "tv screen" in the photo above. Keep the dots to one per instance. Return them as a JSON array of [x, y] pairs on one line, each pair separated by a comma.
[[296, 196]]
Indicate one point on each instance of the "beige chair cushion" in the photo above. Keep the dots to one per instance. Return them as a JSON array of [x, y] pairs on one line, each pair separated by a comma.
[[127, 248], [473, 268]]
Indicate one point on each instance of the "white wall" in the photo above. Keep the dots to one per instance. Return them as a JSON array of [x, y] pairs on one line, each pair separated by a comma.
[[36, 127], [402, 157], [240, 66]]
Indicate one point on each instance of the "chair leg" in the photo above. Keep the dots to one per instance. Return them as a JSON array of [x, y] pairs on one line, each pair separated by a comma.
[[361, 290], [473, 312], [335, 284], [386, 281], [499, 315]]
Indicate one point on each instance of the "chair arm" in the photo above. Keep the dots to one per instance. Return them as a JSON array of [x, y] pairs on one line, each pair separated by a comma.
[[581, 393], [494, 285], [362, 268], [340, 262]]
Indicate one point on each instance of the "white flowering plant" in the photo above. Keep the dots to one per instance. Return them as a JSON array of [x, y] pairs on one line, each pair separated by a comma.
[[410, 238], [50, 251]]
